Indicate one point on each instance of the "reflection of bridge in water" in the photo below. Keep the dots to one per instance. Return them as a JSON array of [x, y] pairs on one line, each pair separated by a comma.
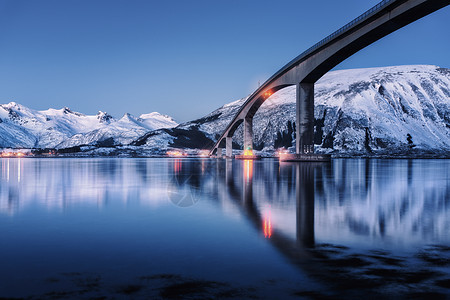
[[358, 201], [241, 192], [344, 197], [304, 70]]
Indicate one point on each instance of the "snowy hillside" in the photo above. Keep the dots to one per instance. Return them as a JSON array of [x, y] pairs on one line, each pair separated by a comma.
[[391, 110], [382, 108], [121, 132], [386, 109], [21, 127]]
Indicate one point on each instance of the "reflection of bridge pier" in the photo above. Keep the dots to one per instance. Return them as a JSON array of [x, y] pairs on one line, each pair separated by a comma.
[[229, 178], [304, 194], [242, 193]]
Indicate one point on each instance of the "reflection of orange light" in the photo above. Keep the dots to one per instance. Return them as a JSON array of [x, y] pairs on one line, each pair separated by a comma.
[[267, 225], [177, 166], [248, 169], [175, 153]]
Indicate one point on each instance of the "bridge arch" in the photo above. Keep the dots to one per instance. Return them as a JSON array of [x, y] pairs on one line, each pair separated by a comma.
[[256, 102], [304, 70]]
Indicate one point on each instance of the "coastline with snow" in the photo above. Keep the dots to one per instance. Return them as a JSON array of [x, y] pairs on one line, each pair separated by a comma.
[[400, 111]]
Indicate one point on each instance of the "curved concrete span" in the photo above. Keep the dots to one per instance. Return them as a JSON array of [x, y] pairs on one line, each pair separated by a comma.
[[304, 70]]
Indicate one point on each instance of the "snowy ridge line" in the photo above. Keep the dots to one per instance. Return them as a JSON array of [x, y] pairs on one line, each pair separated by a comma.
[[376, 111], [22, 127]]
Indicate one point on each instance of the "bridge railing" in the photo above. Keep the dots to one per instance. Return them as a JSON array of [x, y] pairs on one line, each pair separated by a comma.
[[365, 15], [347, 26], [377, 8]]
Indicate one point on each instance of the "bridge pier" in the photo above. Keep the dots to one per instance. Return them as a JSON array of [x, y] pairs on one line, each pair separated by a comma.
[[304, 118], [248, 133], [219, 152], [229, 146], [248, 141], [304, 127]]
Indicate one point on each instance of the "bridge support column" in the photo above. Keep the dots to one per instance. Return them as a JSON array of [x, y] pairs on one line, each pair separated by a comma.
[[219, 152], [229, 146], [304, 128], [248, 133], [305, 118]]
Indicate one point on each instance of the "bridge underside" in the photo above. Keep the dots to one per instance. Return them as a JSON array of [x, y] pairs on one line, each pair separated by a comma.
[[311, 65]]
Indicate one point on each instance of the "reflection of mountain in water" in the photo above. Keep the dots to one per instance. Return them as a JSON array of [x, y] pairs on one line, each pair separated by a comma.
[[325, 218], [394, 201], [373, 203], [356, 201], [59, 183], [365, 202]]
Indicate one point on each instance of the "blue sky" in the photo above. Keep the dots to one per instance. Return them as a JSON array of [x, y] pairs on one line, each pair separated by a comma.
[[181, 58]]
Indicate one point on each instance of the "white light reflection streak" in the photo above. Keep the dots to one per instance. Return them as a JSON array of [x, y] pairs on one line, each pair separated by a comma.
[[7, 171], [18, 170]]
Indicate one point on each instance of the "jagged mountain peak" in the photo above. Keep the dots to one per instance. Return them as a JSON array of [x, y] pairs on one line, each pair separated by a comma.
[[67, 110], [128, 118], [11, 104], [104, 117], [21, 126], [16, 107]]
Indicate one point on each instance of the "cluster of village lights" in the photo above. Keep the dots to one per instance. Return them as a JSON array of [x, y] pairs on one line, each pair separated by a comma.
[[176, 153], [180, 153], [13, 154]]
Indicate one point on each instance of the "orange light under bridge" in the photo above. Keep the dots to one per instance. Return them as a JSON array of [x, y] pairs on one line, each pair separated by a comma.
[[268, 94]]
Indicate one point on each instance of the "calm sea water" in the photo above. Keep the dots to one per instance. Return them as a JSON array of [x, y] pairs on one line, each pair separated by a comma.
[[196, 228]]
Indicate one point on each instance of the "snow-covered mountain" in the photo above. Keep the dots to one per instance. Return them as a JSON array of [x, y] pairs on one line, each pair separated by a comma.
[[22, 127], [384, 110], [121, 132]]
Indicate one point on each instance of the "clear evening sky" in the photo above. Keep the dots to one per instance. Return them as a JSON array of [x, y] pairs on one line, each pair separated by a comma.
[[178, 57]]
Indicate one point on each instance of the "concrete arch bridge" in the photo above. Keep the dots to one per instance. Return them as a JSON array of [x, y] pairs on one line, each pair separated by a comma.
[[304, 70]]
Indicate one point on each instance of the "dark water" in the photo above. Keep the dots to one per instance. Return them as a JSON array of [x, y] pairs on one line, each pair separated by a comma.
[[196, 228]]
